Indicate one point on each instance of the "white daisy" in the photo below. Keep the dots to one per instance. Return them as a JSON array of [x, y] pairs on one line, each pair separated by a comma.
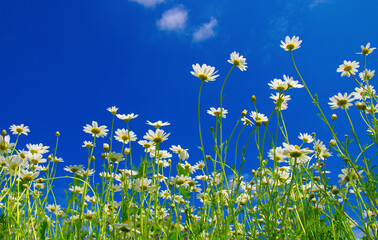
[[291, 83], [341, 101], [362, 93], [294, 151], [366, 75], [278, 84], [291, 44], [95, 130], [19, 129], [37, 148], [127, 117], [217, 112], [157, 137], [183, 153], [348, 68], [280, 100], [205, 73], [158, 124], [238, 61], [307, 138], [113, 110], [123, 135], [258, 117], [365, 50]]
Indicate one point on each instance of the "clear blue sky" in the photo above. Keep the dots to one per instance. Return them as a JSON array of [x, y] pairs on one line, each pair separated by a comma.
[[62, 63]]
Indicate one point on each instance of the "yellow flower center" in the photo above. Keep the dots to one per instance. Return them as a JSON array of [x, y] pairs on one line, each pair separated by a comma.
[[290, 46], [157, 139], [125, 138], [281, 88], [19, 130], [180, 181], [203, 77], [27, 178], [33, 151], [342, 102], [95, 130], [236, 62], [348, 68], [365, 51]]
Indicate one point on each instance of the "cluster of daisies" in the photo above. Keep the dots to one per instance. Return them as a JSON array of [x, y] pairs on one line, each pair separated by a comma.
[[159, 196]]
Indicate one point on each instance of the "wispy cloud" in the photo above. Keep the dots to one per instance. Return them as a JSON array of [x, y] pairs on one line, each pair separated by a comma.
[[148, 3], [206, 31], [173, 19], [315, 3]]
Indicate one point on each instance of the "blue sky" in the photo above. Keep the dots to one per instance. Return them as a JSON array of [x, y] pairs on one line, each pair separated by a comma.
[[62, 63]]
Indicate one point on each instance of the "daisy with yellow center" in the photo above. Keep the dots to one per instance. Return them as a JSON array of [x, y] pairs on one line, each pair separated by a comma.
[[291, 44], [157, 137], [124, 136], [95, 130], [113, 110], [158, 124], [204, 72], [341, 101], [238, 61], [366, 50], [19, 129], [296, 152], [348, 68]]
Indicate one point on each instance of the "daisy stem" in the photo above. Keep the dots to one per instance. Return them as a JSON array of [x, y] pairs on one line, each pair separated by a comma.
[[338, 145]]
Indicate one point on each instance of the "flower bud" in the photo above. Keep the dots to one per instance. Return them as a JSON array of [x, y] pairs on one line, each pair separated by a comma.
[[244, 113], [105, 147], [332, 142], [253, 98], [93, 158], [103, 155], [57, 134], [49, 157], [3, 133], [208, 157], [335, 191], [126, 151], [334, 117]]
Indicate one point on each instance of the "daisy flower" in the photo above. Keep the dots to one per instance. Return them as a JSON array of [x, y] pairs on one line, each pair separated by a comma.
[[217, 112], [277, 154], [296, 152], [162, 154], [307, 138], [291, 44], [246, 121], [278, 84], [87, 144], [291, 83], [366, 75], [258, 117], [341, 101], [157, 137], [280, 100], [123, 135], [365, 50], [238, 61], [74, 168], [142, 184], [95, 130], [37, 148], [348, 68], [19, 129], [158, 124], [362, 93], [205, 73], [127, 117], [183, 153], [113, 110]]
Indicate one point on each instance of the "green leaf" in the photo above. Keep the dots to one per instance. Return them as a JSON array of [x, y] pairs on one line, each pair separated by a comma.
[[185, 193]]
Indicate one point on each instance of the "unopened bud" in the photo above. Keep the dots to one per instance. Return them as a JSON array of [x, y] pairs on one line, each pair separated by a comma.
[[126, 151], [93, 158], [57, 134], [334, 117], [253, 98], [208, 157], [49, 157], [253, 171], [244, 113], [111, 166], [211, 129], [332, 143], [105, 147], [103, 155], [169, 161], [259, 123], [335, 191], [265, 123], [361, 106], [3, 133]]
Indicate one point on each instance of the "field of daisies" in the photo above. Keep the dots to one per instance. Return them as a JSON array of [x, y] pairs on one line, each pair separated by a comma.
[[143, 191]]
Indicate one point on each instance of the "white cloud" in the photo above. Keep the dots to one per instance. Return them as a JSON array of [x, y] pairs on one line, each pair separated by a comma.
[[173, 19], [206, 31], [148, 3], [315, 3]]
